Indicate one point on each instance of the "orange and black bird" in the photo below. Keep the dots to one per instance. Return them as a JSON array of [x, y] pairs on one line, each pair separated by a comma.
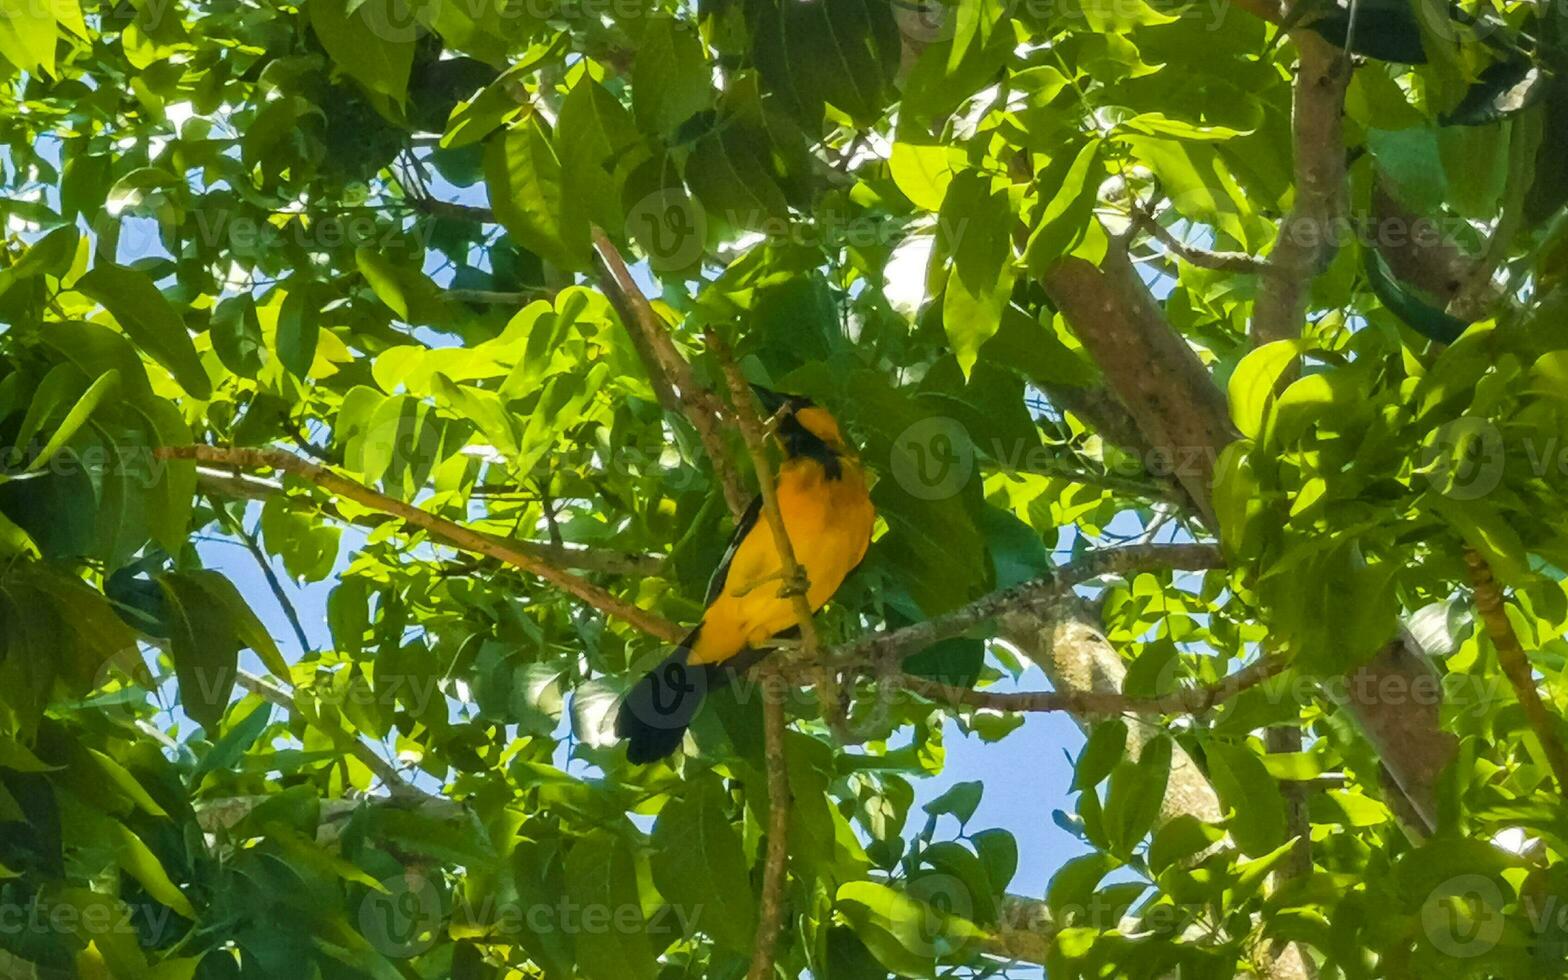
[[827, 512]]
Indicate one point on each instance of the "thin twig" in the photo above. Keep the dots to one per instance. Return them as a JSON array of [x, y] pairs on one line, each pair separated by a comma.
[[453, 533], [775, 873], [235, 485], [389, 775], [775, 869], [1516, 665], [796, 584], [1187, 701], [881, 650], [267, 572], [1238, 262], [669, 372]]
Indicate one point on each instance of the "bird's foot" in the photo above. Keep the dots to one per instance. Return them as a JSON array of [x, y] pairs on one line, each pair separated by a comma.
[[795, 585]]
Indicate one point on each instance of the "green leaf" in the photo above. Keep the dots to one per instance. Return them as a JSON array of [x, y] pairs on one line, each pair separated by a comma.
[[924, 171], [998, 851], [960, 800], [601, 875], [671, 78], [308, 547], [1257, 821], [1132, 801], [28, 34], [126, 783], [1064, 216], [698, 864], [1199, 183], [138, 861], [247, 626], [63, 384], [592, 136], [204, 644], [960, 883], [1485, 529], [906, 935], [523, 177], [1068, 894], [348, 615], [19, 758], [148, 319], [299, 326], [1107, 743], [1252, 384], [227, 751], [102, 387], [172, 496], [372, 41], [382, 276], [236, 335], [1421, 316], [974, 230], [1179, 838]]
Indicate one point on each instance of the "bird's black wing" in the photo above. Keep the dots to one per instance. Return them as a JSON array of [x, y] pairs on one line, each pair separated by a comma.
[[743, 527]]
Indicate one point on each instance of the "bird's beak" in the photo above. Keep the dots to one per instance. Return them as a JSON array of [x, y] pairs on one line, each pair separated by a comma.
[[771, 400]]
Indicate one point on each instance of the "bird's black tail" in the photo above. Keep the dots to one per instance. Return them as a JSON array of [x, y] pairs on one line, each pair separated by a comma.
[[654, 717]]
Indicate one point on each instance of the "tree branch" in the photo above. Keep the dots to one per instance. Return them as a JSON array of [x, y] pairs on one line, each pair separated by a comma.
[[1088, 703], [882, 651], [1308, 235], [451, 532], [1237, 262], [668, 371], [775, 869], [223, 813], [1516, 665], [1158, 378], [234, 485], [389, 775], [254, 547], [795, 584]]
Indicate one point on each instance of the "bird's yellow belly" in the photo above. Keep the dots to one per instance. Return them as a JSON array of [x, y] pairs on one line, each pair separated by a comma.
[[829, 523]]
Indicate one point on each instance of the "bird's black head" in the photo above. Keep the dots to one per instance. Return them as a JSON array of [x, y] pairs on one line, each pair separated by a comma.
[[772, 401], [805, 429]]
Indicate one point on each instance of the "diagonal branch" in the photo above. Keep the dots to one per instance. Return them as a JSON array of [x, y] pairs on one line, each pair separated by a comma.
[[254, 547], [775, 870], [1165, 388], [453, 533], [1516, 665], [669, 372], [396, 785], [233, 485]]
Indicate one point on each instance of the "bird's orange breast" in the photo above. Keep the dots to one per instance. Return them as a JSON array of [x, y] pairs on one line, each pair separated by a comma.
[[829, 522]]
